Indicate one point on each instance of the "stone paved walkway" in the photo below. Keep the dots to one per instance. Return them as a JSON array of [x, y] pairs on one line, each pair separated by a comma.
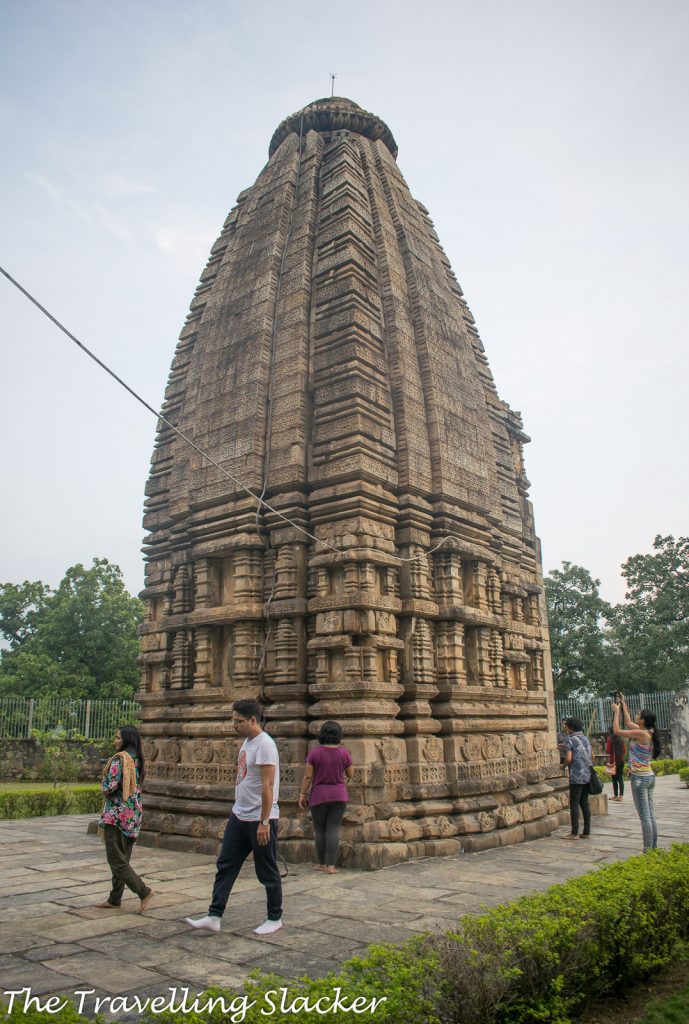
[[53, 940]]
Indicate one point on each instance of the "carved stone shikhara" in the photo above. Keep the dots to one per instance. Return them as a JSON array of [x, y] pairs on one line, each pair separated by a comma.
[[330, 363]]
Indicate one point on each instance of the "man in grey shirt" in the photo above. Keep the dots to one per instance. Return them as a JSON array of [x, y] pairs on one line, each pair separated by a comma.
[[253, 824]]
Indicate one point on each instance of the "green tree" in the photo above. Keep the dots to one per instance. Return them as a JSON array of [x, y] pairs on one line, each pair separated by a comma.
[[79, 641], [651, 629], [576, 618], [20, 610]]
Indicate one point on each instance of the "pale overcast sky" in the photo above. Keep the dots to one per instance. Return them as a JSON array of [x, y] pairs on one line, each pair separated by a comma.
[[548, 140]]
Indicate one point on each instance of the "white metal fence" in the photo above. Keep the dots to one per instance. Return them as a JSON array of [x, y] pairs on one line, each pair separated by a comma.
[[596, 715], [93, 719]]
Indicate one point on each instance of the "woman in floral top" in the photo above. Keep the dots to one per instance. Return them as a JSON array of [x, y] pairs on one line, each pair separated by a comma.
[[120, 822]]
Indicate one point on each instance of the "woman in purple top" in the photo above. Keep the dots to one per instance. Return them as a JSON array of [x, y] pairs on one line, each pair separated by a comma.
[[327, 768]]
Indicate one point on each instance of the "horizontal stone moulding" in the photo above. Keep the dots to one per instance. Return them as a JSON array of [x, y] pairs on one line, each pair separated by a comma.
[[345, 641], [488, 700], [472, 616], [286, 607], [227, 545], [468, 726], [356, 689], [354, 555], [351, 726], [355, 600], [284, 691], [189, 790], [287, 709], [416, 606], [292, 728], [516, 657], [347, 708], [154, 658]]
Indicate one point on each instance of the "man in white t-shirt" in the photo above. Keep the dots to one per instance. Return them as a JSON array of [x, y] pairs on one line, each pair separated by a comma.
[[253, 824]]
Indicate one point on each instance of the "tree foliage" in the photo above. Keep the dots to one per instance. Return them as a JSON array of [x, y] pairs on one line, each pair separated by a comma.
[[651, 629], [638, 646], [20, 607], [576, 616], [77, 641]]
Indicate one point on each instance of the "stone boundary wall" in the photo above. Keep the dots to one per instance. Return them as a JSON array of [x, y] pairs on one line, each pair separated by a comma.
[[20, 760]]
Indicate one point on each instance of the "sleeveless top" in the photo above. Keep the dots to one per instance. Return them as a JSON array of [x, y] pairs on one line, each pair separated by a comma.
[[640, 758]]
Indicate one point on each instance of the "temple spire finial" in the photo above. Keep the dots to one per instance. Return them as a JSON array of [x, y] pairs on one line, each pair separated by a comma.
[[333, 76]]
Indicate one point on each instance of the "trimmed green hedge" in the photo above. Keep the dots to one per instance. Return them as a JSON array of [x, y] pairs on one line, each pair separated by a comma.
[[35, 803], [540, 959], [668, 766], [684, 776], [545, 957]]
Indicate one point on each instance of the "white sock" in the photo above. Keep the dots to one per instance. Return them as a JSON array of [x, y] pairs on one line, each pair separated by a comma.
[[212, 924], [268, 927]]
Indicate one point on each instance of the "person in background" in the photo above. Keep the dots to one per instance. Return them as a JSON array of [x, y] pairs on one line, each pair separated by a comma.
[[644, 745], [579, 759], [616, 750], [327, 768], [120, 821]]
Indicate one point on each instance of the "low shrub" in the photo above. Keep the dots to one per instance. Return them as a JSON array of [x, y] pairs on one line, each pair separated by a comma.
[[33, 803], [606, 777], [684, 776], [668, 765], [545, 956]]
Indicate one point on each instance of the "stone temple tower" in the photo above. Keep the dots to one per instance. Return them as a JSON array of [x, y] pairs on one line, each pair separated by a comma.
[[330, 363]]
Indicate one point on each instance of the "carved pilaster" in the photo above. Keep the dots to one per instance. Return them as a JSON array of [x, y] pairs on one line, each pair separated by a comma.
[[183, 590], [448, 577], [181, 673], [204, 583], [449, 643], [247, 576], [203, 641], [494, 592], [247, 640]]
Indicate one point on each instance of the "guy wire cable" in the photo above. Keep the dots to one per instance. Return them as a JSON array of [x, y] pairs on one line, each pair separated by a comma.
[[192, 444]]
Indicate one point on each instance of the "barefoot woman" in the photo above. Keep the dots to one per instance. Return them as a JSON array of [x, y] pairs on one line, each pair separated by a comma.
[[120, 821]]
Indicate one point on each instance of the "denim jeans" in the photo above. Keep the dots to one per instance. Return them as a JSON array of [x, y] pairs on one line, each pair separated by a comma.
[[642, 792], [618, 779]]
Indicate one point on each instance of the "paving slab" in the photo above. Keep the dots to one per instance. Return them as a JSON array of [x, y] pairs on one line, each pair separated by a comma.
[[203, 971], [101, 971], [54, 940], [17, 973], [50, 952]]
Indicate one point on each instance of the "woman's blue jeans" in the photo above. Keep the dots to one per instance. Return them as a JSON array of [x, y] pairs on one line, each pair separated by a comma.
[[642, 792]]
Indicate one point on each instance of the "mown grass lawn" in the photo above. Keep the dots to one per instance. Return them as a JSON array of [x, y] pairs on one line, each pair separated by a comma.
[[662, 999]]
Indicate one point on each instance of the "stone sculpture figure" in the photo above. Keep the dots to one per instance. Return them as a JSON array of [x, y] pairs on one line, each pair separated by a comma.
[[331, 365]]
